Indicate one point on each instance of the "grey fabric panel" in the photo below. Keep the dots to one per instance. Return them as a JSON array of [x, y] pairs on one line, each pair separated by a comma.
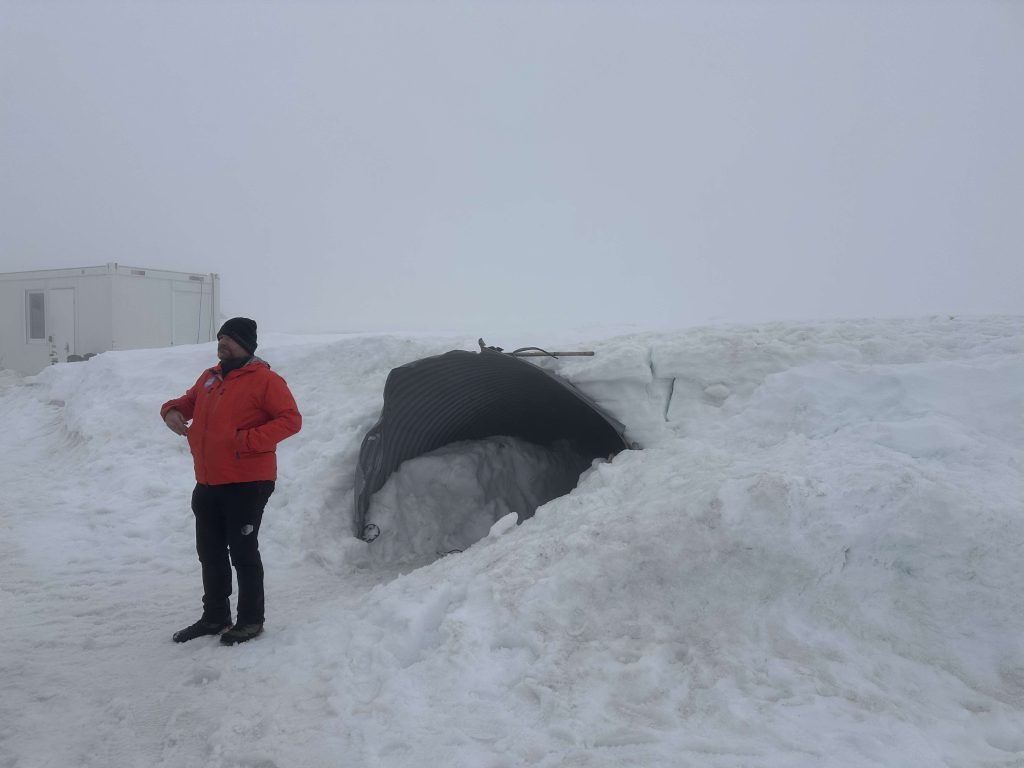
[[469, 396]]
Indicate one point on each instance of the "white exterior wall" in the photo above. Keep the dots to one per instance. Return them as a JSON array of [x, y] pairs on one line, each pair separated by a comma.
[[94, 309], [95, 321], [85, 329], [142, 313], [195, 310], [157, 308]]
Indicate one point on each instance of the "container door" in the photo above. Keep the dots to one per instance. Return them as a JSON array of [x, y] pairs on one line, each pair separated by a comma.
[[62, 324]]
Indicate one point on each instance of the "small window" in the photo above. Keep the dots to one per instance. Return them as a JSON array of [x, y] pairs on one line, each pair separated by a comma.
[[36, 316]]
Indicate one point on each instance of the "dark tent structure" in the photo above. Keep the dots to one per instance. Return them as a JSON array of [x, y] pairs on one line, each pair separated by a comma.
[[464, 395]]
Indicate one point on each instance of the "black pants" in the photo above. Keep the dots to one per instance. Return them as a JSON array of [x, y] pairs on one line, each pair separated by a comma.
[[228, 519]]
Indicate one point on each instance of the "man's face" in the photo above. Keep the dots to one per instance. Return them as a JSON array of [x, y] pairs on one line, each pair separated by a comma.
[[229, 349]]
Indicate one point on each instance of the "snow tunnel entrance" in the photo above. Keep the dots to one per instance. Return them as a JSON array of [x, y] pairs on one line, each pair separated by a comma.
[[465, 438]]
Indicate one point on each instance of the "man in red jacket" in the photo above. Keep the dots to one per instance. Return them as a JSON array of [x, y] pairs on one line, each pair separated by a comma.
[[240, 410]]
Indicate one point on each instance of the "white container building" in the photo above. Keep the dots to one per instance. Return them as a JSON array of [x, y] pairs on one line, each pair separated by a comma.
[[65, 315]]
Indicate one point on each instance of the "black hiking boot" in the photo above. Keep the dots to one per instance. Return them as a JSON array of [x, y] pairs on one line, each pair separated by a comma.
[[240, 633], [199, 629]]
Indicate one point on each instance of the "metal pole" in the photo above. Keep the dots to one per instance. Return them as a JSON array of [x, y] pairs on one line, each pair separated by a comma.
[[551, 354]]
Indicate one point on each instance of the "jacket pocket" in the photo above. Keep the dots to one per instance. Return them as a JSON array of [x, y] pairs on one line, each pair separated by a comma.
[[241, 449]]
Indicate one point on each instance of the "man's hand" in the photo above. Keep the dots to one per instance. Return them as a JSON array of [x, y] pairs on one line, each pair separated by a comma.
[[176, 422]]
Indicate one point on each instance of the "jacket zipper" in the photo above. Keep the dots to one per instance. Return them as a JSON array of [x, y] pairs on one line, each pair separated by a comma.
[[209, 412], [219, 393]]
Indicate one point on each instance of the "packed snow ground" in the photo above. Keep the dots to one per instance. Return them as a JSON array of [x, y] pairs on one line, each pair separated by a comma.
[[815, 560]]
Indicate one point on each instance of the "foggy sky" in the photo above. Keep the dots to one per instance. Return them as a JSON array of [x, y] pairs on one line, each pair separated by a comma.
[[481, 166]]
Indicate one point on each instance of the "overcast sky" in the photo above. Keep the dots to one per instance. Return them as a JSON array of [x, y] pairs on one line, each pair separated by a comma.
[[479, 166]]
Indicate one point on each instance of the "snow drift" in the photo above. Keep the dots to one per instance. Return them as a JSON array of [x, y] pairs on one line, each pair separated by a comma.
[[814, 562]]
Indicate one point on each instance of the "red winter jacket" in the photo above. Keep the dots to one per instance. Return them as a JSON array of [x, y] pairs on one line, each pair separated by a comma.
[[237, 422]]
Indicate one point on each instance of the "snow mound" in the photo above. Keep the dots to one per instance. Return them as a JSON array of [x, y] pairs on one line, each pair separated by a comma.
[[813, 562]]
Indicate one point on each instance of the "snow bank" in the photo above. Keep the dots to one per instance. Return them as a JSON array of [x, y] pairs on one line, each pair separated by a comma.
[[813, 562]]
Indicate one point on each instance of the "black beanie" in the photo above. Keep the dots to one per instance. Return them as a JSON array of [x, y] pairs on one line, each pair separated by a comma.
[[242, 330]]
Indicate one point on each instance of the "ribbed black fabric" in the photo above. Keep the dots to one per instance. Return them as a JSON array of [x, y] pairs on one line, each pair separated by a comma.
[[469, 396]]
